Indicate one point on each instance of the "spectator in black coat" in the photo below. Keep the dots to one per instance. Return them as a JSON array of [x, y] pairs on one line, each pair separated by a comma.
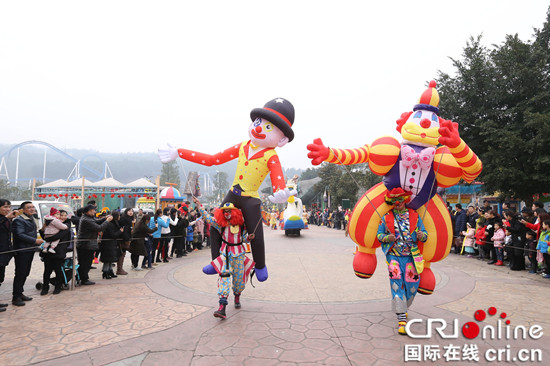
[[471, 216], [53, 262], [127, 221], [459, 219], [25, 242], [109, 247], [87, 244], [515, 251], [6, 246]]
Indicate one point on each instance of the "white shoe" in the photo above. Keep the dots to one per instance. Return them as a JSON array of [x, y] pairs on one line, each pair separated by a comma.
[[45, 250], [51, 250], [137, 268]]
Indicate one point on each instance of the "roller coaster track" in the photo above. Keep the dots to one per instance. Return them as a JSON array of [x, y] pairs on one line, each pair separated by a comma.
[[83, 167]]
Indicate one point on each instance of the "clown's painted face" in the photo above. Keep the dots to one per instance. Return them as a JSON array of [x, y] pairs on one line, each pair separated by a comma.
[[227, 214], [265, 134], [422, 128]]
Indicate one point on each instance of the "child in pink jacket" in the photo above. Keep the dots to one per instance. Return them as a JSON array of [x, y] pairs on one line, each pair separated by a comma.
[[52, 226], [498, 241]]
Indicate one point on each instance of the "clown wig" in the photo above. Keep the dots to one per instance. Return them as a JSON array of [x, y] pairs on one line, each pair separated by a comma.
[[236, 217]]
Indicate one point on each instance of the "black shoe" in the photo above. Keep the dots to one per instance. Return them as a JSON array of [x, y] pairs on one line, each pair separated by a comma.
[[2, 309], [165, 261], [3, 305], [184, 254], [57, 290], [112, 274], [18, 302], [106, 275], [44, 291], [492, 262], [220, 313], [88, 283], [25, 298], [179, 256], [92, 267], [237, 301]]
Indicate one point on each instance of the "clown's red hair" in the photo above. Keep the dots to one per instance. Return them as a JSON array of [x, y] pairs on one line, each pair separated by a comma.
[[401, 121], [236, 217]]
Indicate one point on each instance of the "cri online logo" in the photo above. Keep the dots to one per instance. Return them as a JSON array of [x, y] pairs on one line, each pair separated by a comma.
[[471, 329]]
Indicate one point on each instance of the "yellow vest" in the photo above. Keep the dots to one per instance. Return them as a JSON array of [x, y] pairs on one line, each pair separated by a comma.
[[251, 172]]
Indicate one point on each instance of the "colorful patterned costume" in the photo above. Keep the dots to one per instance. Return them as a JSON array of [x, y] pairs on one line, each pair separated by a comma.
[[405, 264], [231, 261], [418, 165]]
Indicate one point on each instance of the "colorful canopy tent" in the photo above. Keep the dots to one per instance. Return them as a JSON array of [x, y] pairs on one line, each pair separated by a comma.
[[106, 192], [170, 197]]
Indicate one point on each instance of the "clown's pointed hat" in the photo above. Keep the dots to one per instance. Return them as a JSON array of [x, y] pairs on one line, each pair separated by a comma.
[[429, 100]]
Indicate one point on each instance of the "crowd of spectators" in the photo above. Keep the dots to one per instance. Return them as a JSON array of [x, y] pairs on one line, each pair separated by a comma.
[[519, 241], [336, 219], [97, 237]]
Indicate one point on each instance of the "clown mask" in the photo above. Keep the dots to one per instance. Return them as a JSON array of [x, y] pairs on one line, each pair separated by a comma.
[[421, 128], [265, 134]]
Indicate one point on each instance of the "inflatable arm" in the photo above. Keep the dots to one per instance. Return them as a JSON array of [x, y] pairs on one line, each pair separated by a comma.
[[209, 160], [464, 156], [320, 153]]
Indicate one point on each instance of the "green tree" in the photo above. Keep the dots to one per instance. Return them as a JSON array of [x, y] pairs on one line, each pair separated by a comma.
[[309, 173], [170, 173], [343, 182], [8, 191], [501, 99]]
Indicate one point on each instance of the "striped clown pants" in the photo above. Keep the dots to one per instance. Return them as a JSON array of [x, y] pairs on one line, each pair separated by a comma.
[[232, 274]]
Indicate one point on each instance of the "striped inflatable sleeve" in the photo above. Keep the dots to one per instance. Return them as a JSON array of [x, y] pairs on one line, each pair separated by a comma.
[[469, 162], [348, 156], [448, 172], [384, 153]]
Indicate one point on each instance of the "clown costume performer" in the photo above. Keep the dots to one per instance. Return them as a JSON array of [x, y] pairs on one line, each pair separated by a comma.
[[232, 265], [271, 127], [431, 154], [399, 232]]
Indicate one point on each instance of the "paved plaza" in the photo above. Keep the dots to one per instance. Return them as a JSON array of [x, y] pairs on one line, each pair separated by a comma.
[[312, 310]]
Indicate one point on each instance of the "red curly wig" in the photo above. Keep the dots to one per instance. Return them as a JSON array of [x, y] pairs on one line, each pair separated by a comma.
[[236, 217], [401, 121]]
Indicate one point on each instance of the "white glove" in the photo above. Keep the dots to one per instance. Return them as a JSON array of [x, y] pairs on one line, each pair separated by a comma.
[[282, 195], [167, 155]]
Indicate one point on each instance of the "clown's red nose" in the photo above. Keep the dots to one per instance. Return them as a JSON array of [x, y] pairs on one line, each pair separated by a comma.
[[259, 129], [425, 123]]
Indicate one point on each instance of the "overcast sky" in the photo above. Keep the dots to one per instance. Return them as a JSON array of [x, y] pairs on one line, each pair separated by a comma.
[[128, 76]]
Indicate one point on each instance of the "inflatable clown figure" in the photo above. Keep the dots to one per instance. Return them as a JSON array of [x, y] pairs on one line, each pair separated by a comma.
[[431, 154], [271, 127], [292, 216]]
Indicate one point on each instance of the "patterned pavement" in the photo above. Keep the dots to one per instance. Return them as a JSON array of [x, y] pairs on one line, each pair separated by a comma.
[[311, 311]]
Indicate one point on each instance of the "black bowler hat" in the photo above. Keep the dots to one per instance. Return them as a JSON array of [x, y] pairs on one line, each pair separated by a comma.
[[278, 111]]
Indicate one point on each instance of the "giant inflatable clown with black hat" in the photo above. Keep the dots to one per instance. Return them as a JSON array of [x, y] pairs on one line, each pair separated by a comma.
[[430, 155], [271, 127]]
